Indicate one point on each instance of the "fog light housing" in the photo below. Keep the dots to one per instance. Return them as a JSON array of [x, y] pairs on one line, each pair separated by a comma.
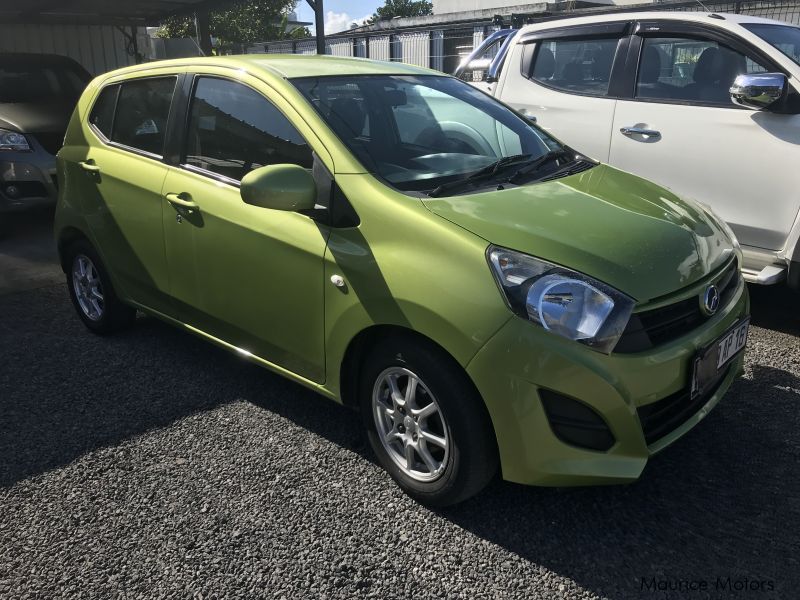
[[575, 423]]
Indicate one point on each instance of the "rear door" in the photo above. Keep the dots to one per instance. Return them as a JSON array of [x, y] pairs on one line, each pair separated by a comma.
[[563, 78], [679, 128], [118, 175]]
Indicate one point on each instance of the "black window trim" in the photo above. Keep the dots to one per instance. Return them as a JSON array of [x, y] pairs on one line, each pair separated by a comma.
[[178, 154], [622, 29], [112, 144], [666, 28]]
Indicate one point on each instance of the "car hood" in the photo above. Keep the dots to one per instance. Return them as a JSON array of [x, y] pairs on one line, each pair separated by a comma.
[[36, 117], [608, 224]]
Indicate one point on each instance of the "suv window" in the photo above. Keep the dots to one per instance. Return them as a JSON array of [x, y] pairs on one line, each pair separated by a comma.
[[693, 70], [142, 111], [575, 65], [233, 129], [102, 115]]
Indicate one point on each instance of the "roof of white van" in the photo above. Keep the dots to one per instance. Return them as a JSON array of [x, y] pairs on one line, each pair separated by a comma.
[[697, 17]]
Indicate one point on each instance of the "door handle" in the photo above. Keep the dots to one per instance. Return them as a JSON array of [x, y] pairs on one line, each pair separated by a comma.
[[89, 166], [182, 200], [528, 115], [629, 131]]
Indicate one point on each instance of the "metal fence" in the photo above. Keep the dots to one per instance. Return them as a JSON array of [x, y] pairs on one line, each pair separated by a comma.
[[442, 47]]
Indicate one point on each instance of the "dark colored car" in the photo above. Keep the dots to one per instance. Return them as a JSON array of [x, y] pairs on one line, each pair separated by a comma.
[[38, 93]]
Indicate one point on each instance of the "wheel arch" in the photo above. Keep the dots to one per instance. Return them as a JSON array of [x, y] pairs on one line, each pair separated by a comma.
[[68, 235], [364, 340]]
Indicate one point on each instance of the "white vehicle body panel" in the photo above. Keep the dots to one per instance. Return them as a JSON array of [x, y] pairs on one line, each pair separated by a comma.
[[740, 162]]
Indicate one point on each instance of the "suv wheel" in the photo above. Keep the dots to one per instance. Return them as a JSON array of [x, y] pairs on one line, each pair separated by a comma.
[[92, 293], [426, 423]]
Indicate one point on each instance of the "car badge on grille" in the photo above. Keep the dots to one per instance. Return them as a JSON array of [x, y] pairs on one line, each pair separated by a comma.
[[709, 301]]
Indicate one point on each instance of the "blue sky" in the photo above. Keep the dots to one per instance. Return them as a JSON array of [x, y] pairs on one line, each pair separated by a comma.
[[339, 13]]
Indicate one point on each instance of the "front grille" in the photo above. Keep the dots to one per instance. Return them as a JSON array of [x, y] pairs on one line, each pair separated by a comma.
[[651, 328], [661, 417], [50, 141]]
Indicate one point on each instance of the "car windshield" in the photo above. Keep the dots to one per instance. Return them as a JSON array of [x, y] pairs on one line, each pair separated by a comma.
[[783, 37], [422, 132], [24, 80]]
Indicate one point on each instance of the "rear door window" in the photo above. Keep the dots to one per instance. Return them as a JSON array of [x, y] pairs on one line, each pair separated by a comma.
[[581, 66], [142, 112], [233, 129]]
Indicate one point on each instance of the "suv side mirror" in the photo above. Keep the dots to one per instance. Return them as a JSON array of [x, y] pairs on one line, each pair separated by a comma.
[[279, 187], [757, 91]]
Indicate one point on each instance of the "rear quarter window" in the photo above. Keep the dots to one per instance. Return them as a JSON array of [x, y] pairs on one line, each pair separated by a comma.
[[102, 115]]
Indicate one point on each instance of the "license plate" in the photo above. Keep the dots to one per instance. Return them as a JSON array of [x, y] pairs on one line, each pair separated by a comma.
[[710, 362]]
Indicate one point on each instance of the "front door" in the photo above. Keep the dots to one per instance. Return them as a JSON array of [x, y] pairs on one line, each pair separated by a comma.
[[681, 130], [250, 276], [118, 177]]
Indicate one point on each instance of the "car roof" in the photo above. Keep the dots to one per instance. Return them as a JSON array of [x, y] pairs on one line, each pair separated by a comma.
[[291, 65], [718, 19]]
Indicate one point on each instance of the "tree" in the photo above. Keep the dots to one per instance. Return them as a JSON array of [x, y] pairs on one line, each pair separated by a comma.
[[242, 22], [402, 8]]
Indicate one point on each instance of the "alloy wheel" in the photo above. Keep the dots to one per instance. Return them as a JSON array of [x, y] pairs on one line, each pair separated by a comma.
[[410, 424], [87, 287]]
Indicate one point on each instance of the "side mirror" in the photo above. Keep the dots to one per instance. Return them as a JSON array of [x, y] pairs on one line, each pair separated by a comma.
[[757, 91], [279, 187]]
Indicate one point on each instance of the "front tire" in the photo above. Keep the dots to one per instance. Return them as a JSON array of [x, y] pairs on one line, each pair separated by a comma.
[[426, 422], [91, 292]]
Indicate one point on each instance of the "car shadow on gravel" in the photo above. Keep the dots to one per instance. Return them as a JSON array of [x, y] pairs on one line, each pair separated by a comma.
[[775, 307], [732, 481], [65, 392]]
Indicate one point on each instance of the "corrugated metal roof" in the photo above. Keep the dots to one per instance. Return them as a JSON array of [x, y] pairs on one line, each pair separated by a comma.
[[111, 12]]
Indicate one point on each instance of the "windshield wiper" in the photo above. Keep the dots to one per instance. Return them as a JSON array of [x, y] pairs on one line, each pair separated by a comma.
[[482, 173], [552, 155]]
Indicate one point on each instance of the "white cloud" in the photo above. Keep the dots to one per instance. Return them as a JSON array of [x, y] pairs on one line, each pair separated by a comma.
[[336, 22]]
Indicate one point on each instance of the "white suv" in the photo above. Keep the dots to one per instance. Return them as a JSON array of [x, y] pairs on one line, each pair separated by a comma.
[[705, 104]]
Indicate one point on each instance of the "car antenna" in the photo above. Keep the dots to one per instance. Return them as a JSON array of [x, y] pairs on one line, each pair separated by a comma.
[[705, 8]]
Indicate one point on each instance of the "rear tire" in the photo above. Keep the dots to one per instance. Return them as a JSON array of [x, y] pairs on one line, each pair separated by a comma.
[[413, 395], [91, 292]]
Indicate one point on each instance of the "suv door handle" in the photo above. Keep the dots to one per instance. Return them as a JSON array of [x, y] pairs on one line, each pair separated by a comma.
[[629, 131], [528, 115], [182, 200], [89, 166]]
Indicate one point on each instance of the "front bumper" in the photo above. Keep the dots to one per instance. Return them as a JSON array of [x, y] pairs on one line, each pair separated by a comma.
[[521, 359], [27, 180]]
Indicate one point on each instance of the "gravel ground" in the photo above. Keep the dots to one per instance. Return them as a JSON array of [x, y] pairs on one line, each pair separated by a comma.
[[154, 465]]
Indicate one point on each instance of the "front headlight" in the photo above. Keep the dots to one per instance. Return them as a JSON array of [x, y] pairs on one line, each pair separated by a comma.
[[560, 300], [13, 141]]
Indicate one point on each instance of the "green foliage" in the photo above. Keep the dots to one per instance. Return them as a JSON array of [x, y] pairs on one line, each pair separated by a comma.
[[402, 8], [241, 22]]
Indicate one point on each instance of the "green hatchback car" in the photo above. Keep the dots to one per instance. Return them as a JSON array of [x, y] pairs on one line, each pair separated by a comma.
[[406, 245]]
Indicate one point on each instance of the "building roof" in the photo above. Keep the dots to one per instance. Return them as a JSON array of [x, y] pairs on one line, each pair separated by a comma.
[[117, 12]]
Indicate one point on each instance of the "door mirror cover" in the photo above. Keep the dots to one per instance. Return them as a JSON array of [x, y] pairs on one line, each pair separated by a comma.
[[758, 91], [280, 187]]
